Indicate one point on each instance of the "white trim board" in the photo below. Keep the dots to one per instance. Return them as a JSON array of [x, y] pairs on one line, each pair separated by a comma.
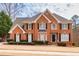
[[15, 27], [40, 16], [52, 15]]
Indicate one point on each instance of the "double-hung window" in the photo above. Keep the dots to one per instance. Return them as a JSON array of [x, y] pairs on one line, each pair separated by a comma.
[[53, 26], [29, 26], [64, 26], [42, 26], [64, 37]]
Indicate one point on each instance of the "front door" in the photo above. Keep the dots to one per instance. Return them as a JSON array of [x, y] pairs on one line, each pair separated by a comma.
[[29, 37], [54, 37], [42, 37], [17, 38]]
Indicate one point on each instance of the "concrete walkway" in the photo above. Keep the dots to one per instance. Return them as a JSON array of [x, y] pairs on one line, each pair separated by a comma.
[[35, 53]]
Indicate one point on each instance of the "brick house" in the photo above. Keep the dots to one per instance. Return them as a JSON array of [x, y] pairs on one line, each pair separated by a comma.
[[45, 26], [75, 32]]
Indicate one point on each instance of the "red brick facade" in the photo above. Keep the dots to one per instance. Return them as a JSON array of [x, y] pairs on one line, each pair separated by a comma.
[[49, 34]]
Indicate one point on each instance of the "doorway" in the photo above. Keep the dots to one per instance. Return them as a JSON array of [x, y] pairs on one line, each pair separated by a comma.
[[17, 38], [29, 37], [54, 36], [42, 36]]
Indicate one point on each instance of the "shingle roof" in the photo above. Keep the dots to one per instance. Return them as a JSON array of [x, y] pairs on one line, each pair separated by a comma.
[[62, 19], [21, 20]]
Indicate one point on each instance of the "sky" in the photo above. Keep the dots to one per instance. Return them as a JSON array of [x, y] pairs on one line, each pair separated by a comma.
[[66, 10]]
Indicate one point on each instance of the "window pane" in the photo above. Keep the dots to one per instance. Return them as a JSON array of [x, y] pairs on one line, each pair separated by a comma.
[[42, 26], [29, 26], [64, 26], [53, 26], [64, 37]]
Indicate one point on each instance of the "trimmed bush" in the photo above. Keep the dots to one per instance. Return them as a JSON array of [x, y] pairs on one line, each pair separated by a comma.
[[40, 42], [22, 42], [10, 40], [25, 42], [61, 44], [76, 44]]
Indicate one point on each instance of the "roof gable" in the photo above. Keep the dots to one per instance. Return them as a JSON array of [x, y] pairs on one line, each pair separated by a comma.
[[15, 27], [50, 14], [58, 18], [43, 16]]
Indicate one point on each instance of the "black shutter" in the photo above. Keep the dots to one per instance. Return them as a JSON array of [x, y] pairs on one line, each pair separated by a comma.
[[32, 25], [27, 37], [27, 26], [23, 26], [68, 26], [59, 37], [60, 26], [14, 37], [38, 26], [20, 36], [46, 25], [69, 37]]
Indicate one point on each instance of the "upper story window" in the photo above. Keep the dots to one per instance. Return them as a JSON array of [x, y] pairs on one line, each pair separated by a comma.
[[42, 26], [64, 26], [29, 26], [53, 26], [24, 26]]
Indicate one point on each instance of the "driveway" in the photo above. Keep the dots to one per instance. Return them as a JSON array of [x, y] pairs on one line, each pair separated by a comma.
[[35, 53], [49, 48], [37, 50]]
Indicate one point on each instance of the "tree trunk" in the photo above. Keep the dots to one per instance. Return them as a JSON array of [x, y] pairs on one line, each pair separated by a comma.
[[3, 38]]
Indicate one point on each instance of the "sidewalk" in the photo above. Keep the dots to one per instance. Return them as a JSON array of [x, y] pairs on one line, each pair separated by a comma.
[[49, 48], [35, 53]]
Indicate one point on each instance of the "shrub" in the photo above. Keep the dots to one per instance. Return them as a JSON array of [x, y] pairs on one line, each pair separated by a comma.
[[9, 40], [61, 44], [41, 42], [76, 44], [22, 42], [73, 44]]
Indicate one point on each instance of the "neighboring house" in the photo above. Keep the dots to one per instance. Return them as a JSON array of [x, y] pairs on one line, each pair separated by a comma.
[[45, 26], [75, 34]]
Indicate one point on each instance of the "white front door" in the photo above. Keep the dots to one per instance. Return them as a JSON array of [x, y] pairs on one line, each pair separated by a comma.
[[42, 37], [29, 37], [17, 38]]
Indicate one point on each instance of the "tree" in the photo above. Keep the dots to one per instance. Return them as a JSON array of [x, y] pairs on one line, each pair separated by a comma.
[[5, 24], [75, 19], [12, 9]]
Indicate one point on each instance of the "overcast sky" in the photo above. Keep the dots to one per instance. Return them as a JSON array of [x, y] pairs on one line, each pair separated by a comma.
[[63, 9]]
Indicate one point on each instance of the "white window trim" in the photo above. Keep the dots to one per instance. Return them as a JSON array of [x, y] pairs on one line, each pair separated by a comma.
[[40, 16]]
